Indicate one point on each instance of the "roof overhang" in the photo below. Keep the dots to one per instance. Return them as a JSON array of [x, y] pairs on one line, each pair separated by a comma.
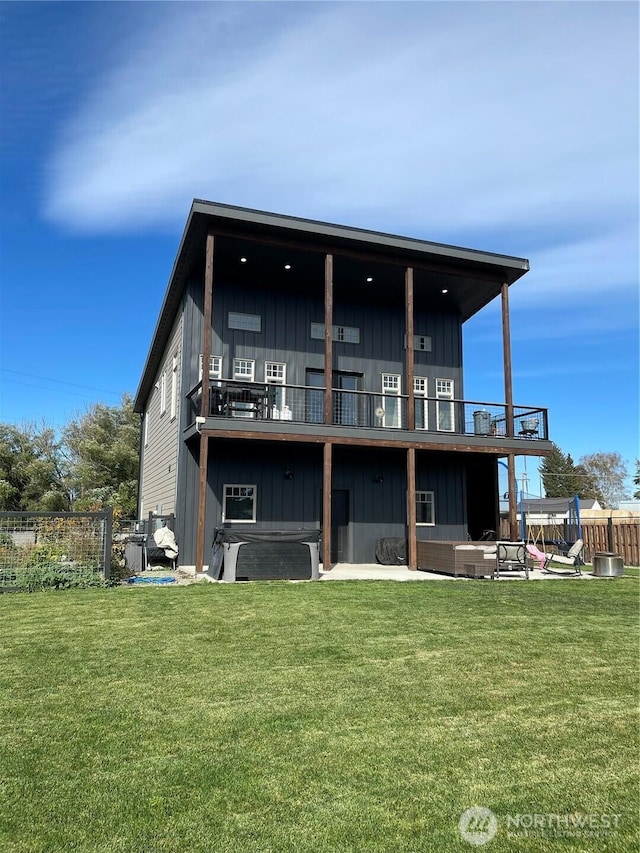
[[470, 278]]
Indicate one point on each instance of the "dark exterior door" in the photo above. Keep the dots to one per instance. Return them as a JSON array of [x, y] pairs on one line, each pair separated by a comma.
[[339, 526], [347, 405]]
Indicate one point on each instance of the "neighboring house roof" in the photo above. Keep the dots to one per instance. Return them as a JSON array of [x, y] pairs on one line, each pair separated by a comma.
[[630, 506], [556, 506], [473, 277]]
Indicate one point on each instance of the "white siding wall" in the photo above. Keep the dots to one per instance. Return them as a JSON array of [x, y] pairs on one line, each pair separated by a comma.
[[160, 455]]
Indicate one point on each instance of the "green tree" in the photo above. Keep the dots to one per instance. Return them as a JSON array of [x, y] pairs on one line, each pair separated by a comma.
[[103, 446], [609, 472], [636, 481], [562, 478], [32, 469]]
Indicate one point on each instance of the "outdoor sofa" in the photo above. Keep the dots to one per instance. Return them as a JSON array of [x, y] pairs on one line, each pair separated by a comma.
[[460, 559]]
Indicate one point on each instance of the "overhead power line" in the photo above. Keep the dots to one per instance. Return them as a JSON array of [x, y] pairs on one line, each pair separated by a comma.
[[59, 381]]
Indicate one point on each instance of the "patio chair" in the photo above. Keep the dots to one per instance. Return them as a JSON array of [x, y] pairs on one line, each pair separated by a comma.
[[160, 548], [153, 556], [572, 559], [511, 557]]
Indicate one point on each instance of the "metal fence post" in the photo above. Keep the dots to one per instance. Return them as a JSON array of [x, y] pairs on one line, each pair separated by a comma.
[[108, 536]]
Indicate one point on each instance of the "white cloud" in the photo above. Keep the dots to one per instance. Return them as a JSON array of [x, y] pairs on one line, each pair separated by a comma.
[[429, 119]]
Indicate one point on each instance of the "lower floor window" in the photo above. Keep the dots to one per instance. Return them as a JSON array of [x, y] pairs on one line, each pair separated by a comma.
[[239, 503], [424, 508]]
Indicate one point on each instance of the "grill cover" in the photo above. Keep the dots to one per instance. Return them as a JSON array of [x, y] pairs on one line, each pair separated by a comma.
[[391, 552]]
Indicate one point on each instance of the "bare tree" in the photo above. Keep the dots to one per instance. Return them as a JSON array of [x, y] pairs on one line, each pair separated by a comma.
[[609, 470]]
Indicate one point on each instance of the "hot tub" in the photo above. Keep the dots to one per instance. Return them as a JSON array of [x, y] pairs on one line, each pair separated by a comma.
[[265, 555]]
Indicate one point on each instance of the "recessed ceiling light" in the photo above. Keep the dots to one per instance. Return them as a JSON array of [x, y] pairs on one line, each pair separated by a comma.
[[243, 260], [445, 290], [287, 266], [369, 278]]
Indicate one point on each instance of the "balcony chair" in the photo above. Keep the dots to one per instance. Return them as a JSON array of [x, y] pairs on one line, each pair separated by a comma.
[[572, 559], [529, 427]]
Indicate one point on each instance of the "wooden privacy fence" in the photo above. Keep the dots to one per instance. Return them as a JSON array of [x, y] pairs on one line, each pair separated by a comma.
[[620, 536]]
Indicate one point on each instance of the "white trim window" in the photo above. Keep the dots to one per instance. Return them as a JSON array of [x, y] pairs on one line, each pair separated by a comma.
[[425, 513], [444, 405], [275, 373], [215, 367], [244, 370], [174, 388], [420, 390], [391, 390], [239, 503], [163, 392]]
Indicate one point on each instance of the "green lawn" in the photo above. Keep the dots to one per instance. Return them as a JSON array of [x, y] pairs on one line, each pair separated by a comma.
[[340, 716]]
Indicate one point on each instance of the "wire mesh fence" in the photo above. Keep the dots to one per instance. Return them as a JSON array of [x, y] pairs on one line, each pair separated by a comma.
[[57, 549]]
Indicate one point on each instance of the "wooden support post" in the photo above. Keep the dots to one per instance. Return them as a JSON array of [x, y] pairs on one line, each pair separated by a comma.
[[326, 507], [206, 325], [204, 401], [409, 353], [514, 530], [202, 501], [506, 349], [412, 544], [328, 338]]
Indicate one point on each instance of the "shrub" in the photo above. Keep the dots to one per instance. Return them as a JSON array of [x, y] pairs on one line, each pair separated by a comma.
[[54, 575]]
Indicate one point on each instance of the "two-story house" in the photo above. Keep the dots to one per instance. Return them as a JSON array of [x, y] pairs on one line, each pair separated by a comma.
[[310, 375]]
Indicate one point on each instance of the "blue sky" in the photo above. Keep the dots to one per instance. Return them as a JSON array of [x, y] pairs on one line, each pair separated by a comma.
[[508, 127]]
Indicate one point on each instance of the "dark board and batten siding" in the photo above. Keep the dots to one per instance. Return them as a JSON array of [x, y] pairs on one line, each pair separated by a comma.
[[375, 481], [285, 336]]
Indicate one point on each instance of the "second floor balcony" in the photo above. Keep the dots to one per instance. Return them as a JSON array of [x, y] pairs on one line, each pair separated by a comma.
[[289, 405]]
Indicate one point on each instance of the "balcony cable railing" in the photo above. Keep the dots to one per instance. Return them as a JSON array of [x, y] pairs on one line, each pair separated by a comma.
[[366, 409]]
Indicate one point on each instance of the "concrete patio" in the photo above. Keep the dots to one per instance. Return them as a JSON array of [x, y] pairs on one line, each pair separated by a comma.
[[373, 571]]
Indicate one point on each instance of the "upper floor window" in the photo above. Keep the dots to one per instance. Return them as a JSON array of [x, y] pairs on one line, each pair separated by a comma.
[[275, 373], [391, 404], [174, 387], [215, 367], [163, 392], [422, 343], [344, 334], [244, 322], [244, 368], [444, 405], [421, 408]]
